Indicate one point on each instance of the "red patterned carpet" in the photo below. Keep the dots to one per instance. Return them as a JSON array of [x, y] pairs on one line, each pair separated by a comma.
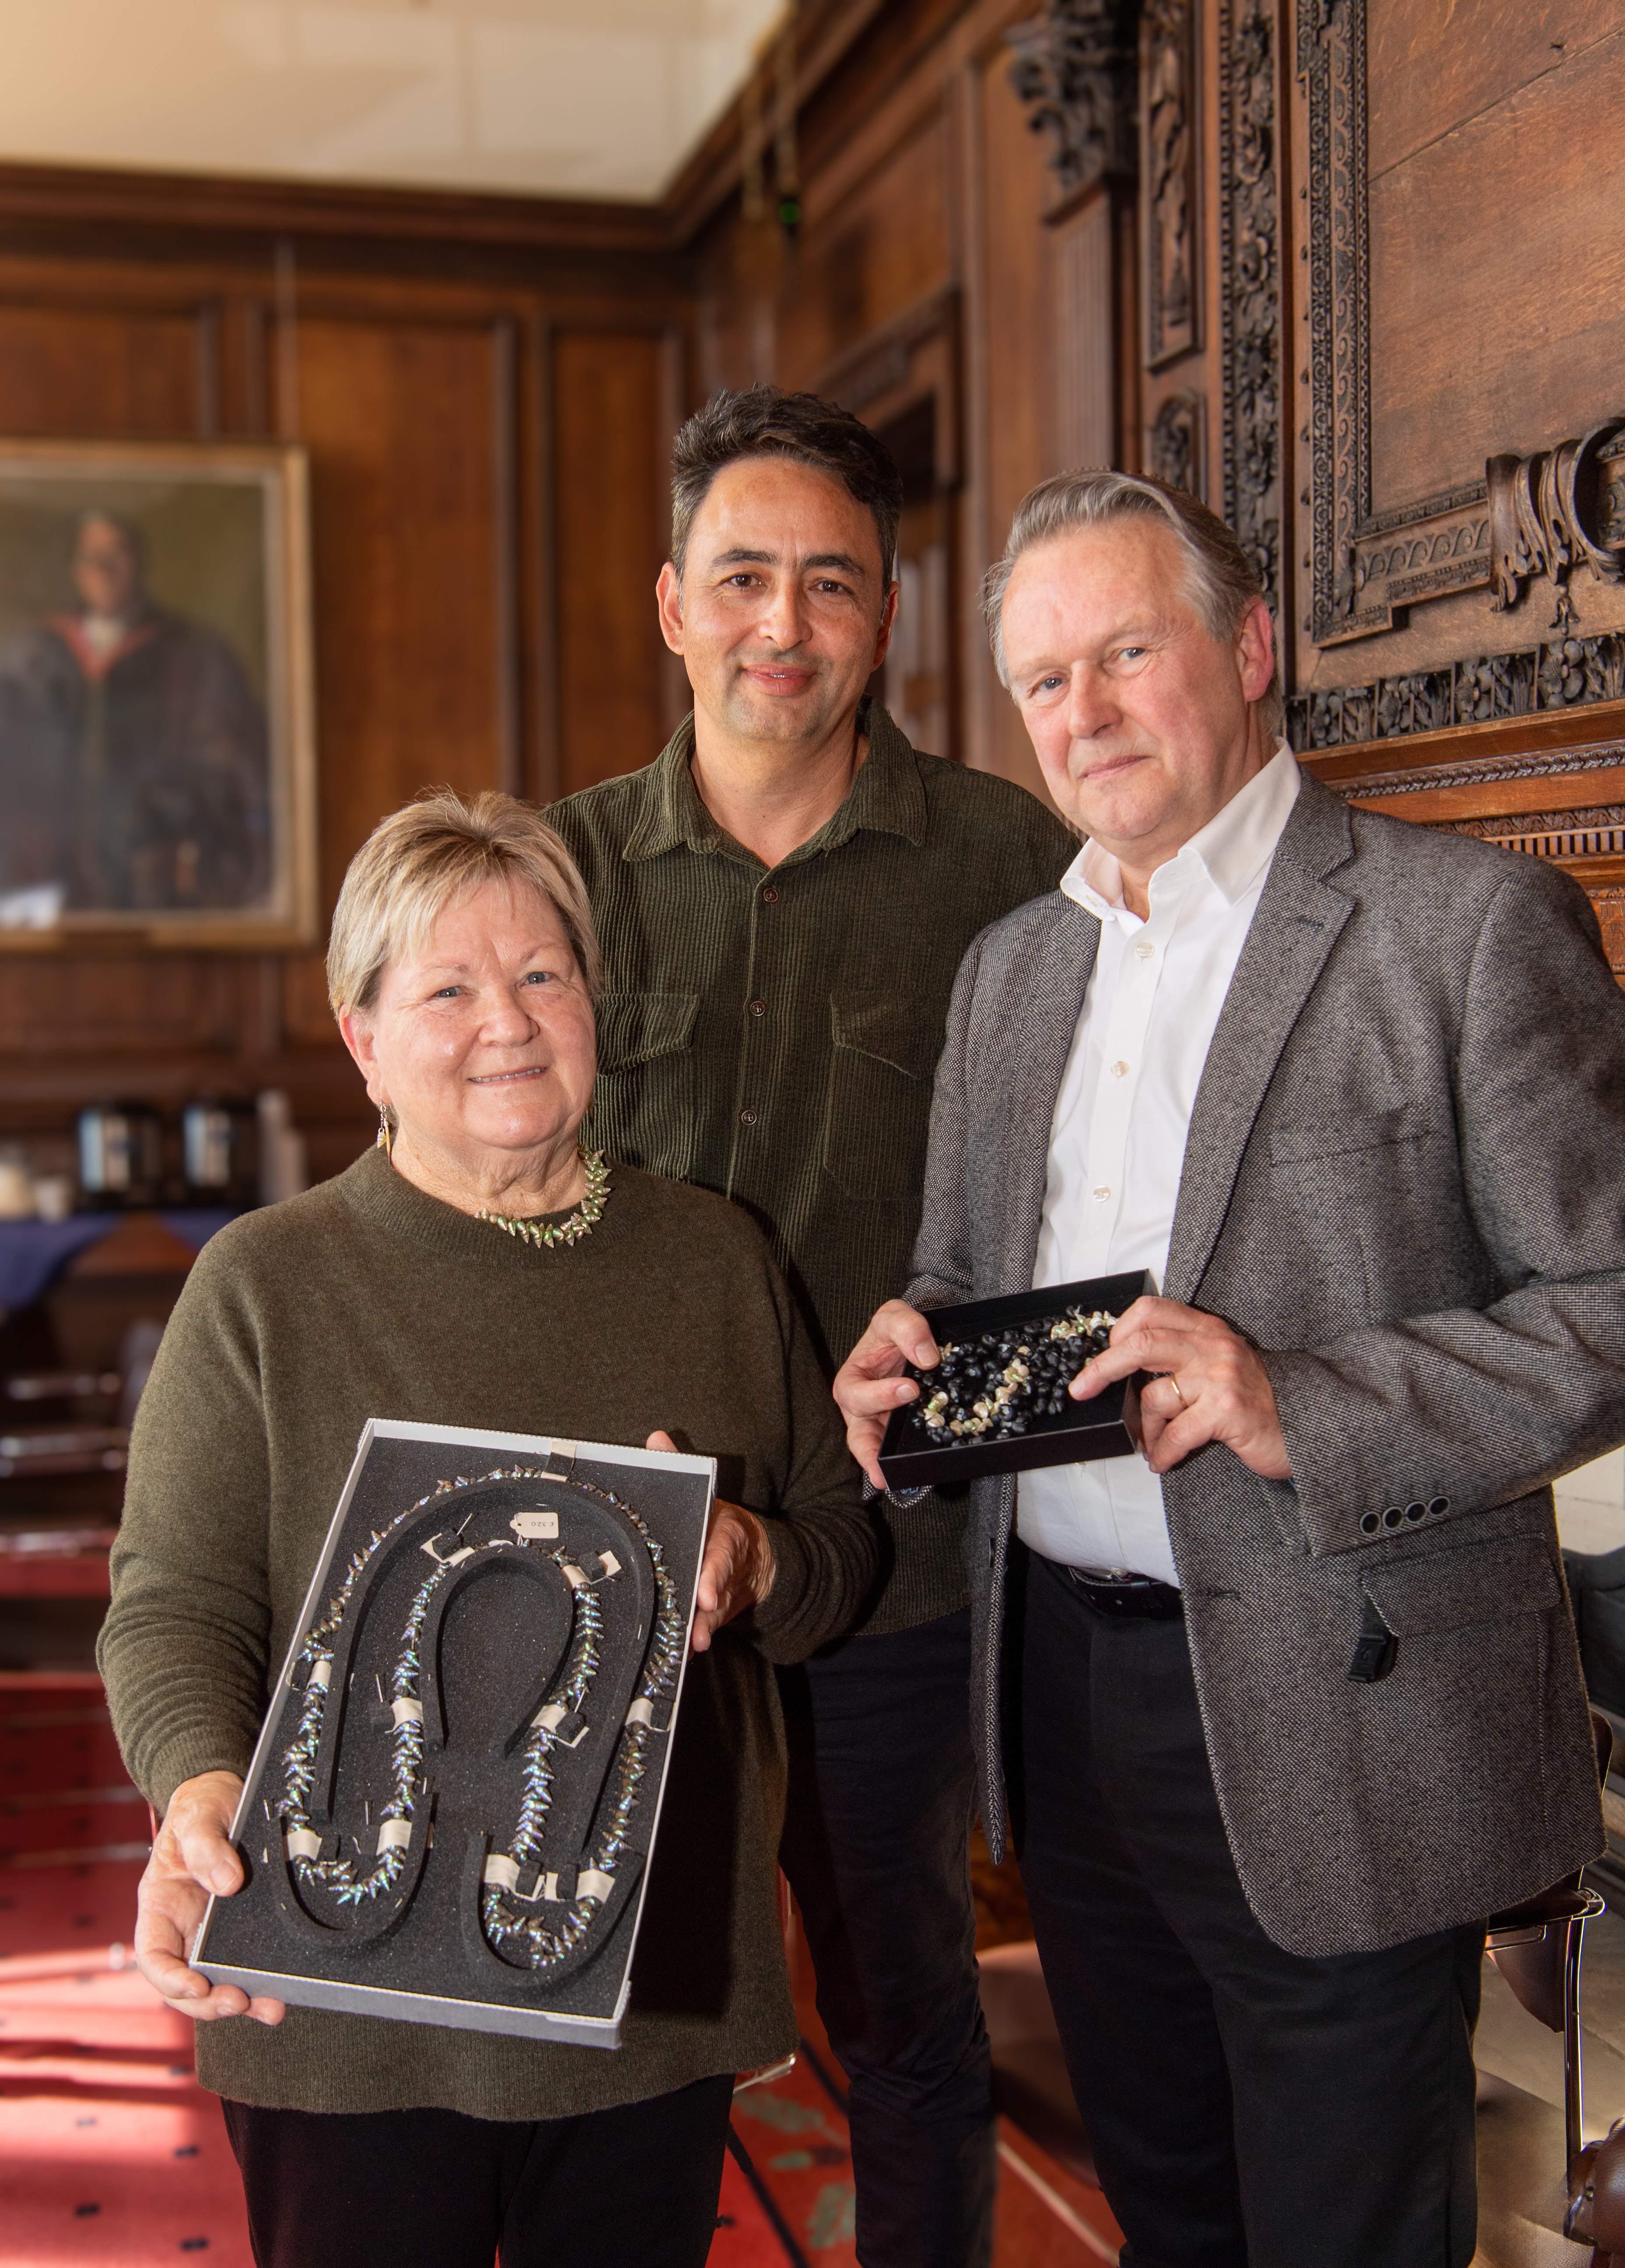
[[111, 2154]]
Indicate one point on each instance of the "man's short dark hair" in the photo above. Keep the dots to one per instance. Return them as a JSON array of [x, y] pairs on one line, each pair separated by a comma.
[[763, 421]]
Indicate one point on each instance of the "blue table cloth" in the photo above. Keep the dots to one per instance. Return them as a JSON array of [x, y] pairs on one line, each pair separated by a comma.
[[33, 1253]]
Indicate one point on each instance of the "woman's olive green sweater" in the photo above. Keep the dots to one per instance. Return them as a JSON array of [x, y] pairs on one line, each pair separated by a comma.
[[367, 1299]]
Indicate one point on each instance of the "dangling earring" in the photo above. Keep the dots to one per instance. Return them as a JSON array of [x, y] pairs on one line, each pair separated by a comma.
[[382, 1142]]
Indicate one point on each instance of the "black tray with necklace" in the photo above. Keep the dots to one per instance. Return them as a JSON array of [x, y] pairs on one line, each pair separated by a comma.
[[996, 1400], [451, 1810]]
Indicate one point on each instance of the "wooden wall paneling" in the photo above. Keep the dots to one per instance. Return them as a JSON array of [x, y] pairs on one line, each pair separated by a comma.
[[1179, 402], [114, 1010], [506, 498], [979, 690], [1550, 787], [91, 372], [874, 238], [546, 766], [674, 406], [245, 388], [1412, 377], [1083, 248], [1253, 191], [400, 418], [609, 481], [306, 1019], [1012, 437], [1438, 67], [1452, 379]]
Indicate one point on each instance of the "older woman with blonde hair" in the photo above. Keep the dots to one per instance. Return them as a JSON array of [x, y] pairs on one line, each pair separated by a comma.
[[476, 1270]]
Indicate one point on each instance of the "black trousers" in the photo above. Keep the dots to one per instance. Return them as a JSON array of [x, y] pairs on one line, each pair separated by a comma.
[[881, 1786], [634, 2187], [1248, 2108]]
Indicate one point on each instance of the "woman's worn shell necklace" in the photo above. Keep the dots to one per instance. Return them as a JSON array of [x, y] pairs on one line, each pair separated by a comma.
[[581, 1222]]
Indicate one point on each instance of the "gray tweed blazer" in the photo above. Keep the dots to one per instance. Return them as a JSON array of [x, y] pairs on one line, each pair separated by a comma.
[[1403, 1182]]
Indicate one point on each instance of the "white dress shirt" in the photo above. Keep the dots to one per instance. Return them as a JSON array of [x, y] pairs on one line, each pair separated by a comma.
[[1117, 1141]]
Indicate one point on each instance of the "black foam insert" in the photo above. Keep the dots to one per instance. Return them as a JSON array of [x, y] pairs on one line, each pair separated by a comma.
[[523, 1614], [1074, 1433]]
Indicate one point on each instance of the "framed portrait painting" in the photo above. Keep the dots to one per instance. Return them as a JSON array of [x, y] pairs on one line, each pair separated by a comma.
[[157, 756]]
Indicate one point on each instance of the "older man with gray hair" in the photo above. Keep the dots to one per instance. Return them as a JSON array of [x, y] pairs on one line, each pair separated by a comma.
[[1293, 1700]]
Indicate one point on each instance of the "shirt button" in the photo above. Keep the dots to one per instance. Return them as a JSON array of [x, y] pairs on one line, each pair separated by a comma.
[[1120, 1071], [1144, 952], [758, 1007], [1100, 1196], [747, 1118], [770, 896]]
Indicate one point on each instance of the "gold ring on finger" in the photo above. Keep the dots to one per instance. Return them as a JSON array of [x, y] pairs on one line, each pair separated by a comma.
[[1179, 1389]]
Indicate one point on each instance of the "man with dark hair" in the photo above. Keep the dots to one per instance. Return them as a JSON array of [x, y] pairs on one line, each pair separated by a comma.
[[1287, 1705], [783, 898]]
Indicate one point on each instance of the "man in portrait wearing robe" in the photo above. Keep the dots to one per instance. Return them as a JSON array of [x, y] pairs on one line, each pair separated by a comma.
[[134, 767]]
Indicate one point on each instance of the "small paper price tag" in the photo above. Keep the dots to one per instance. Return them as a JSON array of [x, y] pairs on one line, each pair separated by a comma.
[[536, 1526]]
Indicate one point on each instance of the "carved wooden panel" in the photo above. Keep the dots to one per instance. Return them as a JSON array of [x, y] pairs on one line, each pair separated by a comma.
[[1545, 787], [1248, 167], [1170, 181], [1461, 521], [1083, 250]]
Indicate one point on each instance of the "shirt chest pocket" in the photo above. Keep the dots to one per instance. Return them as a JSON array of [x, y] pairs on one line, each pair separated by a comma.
[[878, 1115], [644, 1104]]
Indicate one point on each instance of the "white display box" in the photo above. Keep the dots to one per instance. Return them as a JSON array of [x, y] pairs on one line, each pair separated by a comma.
[[451, 1811]]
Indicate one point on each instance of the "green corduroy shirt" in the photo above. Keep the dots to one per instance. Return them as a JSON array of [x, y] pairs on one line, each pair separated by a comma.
[[772, 1034]]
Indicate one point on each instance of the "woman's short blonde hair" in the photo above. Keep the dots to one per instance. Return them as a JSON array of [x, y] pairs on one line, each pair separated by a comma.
[[430, 853]]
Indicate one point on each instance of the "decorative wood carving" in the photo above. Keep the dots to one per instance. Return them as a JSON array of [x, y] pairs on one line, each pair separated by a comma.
[[1544, 514], [1551, 512], [1171, 182], [1610, 909], [1400, 559], [1540, 515], [1078, 65], [1590, 831], [1566, 673], [1179, 451], [1250, 285], [1548, 786], [1331, 63]]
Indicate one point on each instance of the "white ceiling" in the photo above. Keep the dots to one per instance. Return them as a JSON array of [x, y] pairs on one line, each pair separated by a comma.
[[552, 98]]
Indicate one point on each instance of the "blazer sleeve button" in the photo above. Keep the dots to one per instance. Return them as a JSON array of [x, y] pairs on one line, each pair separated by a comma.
[[1415, 1511], [1439, 1504], [1368, 1523], [1393, 1517]]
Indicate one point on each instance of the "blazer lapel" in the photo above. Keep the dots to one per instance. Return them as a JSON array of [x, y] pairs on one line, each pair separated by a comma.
[[1046, 993], [1297, 925]]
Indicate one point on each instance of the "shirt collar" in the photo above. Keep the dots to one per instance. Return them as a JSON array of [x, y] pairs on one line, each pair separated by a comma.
[[887, 795], [1233, 849]]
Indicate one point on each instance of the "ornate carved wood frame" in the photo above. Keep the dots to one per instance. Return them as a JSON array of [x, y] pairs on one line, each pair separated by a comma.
[[1539, 515], [1549, 786]]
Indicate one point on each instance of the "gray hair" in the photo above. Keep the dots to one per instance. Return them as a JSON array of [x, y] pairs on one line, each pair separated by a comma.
[[431, 851], [1221, 579]]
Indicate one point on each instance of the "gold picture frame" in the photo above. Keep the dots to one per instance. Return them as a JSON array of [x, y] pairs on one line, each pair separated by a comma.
[[157, 767]]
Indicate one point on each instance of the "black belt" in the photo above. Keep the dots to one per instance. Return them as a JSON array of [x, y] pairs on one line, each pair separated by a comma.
[[1133, 1598]]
